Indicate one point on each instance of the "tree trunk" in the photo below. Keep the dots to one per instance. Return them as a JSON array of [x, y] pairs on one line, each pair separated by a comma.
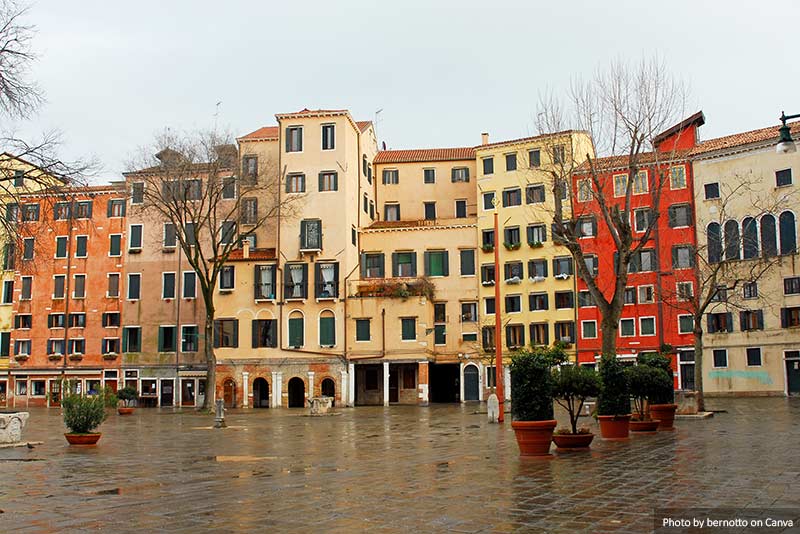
[[211, 365], [609, 325], [698, 365]]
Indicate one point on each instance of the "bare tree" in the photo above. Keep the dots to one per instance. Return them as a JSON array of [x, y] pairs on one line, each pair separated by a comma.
[[194, 184], [622, 109]]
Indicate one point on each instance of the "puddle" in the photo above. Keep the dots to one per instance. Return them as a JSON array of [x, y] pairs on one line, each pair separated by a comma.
[[243, 458]]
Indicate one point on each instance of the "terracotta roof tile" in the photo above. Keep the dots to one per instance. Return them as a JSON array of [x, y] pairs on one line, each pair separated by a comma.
[[527, 139], [312, 112], [438, 223], [745, 138], [363, 125], [645, 158], [425, 154], [255, 255], [267, 132]]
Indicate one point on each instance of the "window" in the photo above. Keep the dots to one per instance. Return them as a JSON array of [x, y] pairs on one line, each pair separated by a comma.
[[487, 342], [537, 301], [115, 208], [682, 257], [788, 233], [12, 212], [511, 237], [487, 239], [61, 247], [59, 284], [783, 177], [488, 165], [111, 319], [137, 192], [512, 197], [38, 388], [540, 334], [711, 190], [584, 190], [113, 285], [537, 233], [488, 200], [627, 327], [22, 347], [362, 330], [620, 184], [647, 326], [372, 266], [459, 174], [790, 317], [77, 346], [469, 312], [227, 232], [134, 286], [564, 299], [515, 336], [19, 178], [408, 326], [296, 281], [167, 338], [264, 283], [30, 212], [55, 346], [131, 339], [440, 323], [167, 285], [391, 212], [646, 295], [79, 290], [513, 271], [135, 237], [643, 261], [77, 320], [685, 290], [227, 278], [589, 329], [115, 245], [391, 176], [513, 303], [250, 167], [226, 333], [404, 264], [56, 320], [754, 357], [685, 324], [750, 320], [328, 136], [327, 280], [327, 329], [677, 177], [511, 162], [559, 154], [111, 345], [587, 227], [429, 176], [83, 209], [461, 209], [436, 263], [353, 235], [585, 299], [265, 333], [487, 274], [81, 243], [720, 322], [9, 256], [565, 331], [629, 296], [294, 139], [23, 321], [791, 286], [296, 183], [489, 305], [534, 194], [680, 215], [640, 183], [228, 187], [430, 210], [534, 157], [537, 269], [562, 266], [27, 283], [721, 294], [750, 290], [720, 358], [28, 245]]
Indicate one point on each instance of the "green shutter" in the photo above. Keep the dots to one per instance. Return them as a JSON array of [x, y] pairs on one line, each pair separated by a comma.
[[446, 263], [382, 265], [363, 265], [236, 333], [319, 182], [161, 339], [427, 263], [296, 332], [413, 264], [395, 264], [125, 333], [327, 331], [217, 334]]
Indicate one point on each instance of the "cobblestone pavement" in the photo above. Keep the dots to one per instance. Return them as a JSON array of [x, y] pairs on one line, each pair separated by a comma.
[[398, 469]]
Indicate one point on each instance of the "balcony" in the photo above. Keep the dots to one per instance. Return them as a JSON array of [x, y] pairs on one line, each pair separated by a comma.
[[401, 288]]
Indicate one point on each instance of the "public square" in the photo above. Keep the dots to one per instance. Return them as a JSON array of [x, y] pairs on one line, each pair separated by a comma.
[[441, 468]]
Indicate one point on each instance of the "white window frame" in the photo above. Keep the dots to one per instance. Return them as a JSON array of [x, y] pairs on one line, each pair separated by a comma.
[[646, 183], [131, 247], [678, 291], [128, 287], [641, 330], [636, 221], [174, 284], [614, 180], [66, 250], [120, 246], [639, 296], [56, 276], [22, 288], [119, 285], [183, 286], [583, 332], [679, 323], [672, 183], [483, 203], [322, 136], [77, 237], [302, 139], [727, 358], [633, 320], [760, 354], [75, 284]]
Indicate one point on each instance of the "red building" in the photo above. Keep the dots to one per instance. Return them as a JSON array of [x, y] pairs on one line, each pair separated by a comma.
[[663, 270], [66, 293]]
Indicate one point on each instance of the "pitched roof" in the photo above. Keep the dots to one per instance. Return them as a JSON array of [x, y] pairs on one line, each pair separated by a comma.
[[527, 139], [422, 224], [698, 118], [264, 133], [363, 125], [745, 138], [312, 112], [255, 255], [425, 154], [645, 158]]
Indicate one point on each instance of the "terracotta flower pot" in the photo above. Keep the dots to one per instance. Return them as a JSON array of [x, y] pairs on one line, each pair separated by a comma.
[[125, 410], [665, 413], [644, 426], [83, 439], [534, 437], [573, 441], [614, 426]]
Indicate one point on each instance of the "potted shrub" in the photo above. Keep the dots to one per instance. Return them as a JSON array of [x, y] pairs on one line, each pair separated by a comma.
[[535, 244], [643, 381], [613, 402], [128, 396], [662, 405], [573, 385], [487, 248], [82, 415], [511, 246], [532, 393]]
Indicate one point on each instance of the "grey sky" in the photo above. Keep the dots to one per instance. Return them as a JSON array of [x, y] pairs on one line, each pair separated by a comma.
[[117, 73]]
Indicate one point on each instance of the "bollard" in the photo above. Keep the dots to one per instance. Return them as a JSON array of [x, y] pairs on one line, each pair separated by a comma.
[[219, 417], [493, 407]]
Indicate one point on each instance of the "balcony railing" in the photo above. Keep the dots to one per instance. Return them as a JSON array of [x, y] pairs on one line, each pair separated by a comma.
[[394, 288]]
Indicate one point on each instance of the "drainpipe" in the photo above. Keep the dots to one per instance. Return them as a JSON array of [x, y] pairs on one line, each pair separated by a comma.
[[383, 332], [659, 307], [179, 330], [66, 292]]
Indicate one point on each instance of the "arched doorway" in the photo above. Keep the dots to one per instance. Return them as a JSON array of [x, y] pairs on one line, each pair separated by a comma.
[[297, 393], [260, 393], [229, 393], [328, 389], [471, 383]]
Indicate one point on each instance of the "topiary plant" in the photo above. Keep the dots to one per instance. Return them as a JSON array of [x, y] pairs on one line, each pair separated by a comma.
[[532, 383], [614, 397], [127, 394], [665, 391], [573, 385], [83, 414], [644, 382]]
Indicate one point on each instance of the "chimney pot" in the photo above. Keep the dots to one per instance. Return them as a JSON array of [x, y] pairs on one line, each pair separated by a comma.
[[485, 138], [246, 249]]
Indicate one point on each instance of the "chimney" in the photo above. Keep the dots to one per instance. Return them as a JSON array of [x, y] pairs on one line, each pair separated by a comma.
[[245, 249], [485, 138]]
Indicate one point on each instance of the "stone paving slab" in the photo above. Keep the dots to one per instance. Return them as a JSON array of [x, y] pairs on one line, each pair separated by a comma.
[[399, 469]]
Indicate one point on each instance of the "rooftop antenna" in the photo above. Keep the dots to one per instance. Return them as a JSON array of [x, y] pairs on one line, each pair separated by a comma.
[[216, 114], [375, 122]]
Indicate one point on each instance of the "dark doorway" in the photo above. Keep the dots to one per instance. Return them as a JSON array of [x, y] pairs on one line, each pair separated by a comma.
[[444, 382], [229, 393], [793, 377], [167, 392], [260, 393], [470, 383], [394, 383], [369, 384], [328, 389], [686, 364], [297, 393], [55, 393], [187, 392]]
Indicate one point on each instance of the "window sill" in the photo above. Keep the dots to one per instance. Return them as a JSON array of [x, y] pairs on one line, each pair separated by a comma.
[[134, 250], [295, 299], [303, 250], [168, 249], [320, 299], [265, 301], [226, 290]]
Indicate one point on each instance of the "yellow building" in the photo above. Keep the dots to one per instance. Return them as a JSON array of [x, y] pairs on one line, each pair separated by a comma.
[[537, 276], [746, 196]]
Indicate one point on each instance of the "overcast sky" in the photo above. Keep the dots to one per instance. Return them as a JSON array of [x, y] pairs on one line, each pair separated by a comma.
[[116, 73]]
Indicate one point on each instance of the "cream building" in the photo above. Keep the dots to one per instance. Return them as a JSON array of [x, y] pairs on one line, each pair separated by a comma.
[[746, 201]]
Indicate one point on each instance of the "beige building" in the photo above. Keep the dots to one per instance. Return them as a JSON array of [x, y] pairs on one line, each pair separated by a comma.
[[746, 198]]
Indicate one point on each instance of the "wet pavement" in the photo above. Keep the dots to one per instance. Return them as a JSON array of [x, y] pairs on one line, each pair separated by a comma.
[[400, 469]]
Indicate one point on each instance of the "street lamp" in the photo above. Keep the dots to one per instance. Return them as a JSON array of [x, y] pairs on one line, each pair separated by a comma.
[[786, 144]]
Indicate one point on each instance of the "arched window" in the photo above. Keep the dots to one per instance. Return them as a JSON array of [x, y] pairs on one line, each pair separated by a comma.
[[769, 242], [364, 164], [327, 329], [732, 240], [296, 329], [714, 237], [788, 233], [749, 238]]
